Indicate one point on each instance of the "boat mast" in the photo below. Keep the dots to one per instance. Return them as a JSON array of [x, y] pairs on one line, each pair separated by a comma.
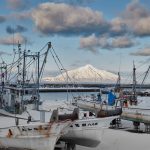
[[3, 73], [134, 85], [19, 64], [3, 80], [38, 74], [118, 86], [23, 79], [38, 80]]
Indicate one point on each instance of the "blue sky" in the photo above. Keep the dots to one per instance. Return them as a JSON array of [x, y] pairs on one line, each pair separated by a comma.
[[109, 34]]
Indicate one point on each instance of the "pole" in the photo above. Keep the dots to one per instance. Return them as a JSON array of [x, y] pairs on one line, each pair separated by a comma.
[[38, 80], [67, 84], [23, 78], [66, 81]]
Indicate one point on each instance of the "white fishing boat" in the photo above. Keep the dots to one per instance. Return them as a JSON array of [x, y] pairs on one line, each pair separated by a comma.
[[87, 132], [35, 135]]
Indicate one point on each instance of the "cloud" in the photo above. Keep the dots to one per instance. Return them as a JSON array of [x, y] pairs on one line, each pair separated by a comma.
[[133, 22], [10, 40], [92, 43], [63, 18], [2, 19], [122, 42], [72, 2], [118, 27], [18, 28], [17, 4], [51, 18], [142, 52], [137, 18], [66, 19]]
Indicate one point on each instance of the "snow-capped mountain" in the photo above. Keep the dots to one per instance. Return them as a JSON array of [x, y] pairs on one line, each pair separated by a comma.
[[84, 74]]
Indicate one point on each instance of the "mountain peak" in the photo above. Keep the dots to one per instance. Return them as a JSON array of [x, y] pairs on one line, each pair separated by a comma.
[[85, 73], [88, 66]]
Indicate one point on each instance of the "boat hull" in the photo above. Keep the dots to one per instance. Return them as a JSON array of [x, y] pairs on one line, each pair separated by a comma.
[[87, 132], [136, 115], [38, 143], [39, 136]]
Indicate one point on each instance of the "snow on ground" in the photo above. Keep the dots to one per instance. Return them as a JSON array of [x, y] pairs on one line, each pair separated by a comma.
[[121, 140], [144, 102]]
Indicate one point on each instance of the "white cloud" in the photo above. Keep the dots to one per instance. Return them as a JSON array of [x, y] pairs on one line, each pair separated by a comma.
[[92, 42], [118, 27], [67, 19], [64, 19], [142, 52], [10, 40], [122, 42], [137, 18]]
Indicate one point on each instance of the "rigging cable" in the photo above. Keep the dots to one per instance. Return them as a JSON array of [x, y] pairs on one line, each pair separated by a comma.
[[61, 68]]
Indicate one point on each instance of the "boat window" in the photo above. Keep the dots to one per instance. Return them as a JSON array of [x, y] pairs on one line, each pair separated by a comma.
[[96, 123], [71, 126], [29, 129], [84, 124], [35, 128], [77, 125], [23, 129], [45, 128]]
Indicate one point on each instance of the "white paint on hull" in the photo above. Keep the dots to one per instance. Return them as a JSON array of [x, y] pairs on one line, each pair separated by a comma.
[[35, 143], [87, 132], [39, 136]]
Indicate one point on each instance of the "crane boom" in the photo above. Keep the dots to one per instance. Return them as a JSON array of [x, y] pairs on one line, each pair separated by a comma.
[[146, 74], [45, 58]]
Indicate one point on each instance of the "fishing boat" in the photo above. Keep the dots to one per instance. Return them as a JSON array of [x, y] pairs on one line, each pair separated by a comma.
[[87, 132], [34, 135], [104, 108]]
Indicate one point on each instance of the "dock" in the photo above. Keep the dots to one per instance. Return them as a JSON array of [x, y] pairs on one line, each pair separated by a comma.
[[70, 90]]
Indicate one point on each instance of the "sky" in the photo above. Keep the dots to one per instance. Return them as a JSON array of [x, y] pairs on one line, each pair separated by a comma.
[[108, 34]]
